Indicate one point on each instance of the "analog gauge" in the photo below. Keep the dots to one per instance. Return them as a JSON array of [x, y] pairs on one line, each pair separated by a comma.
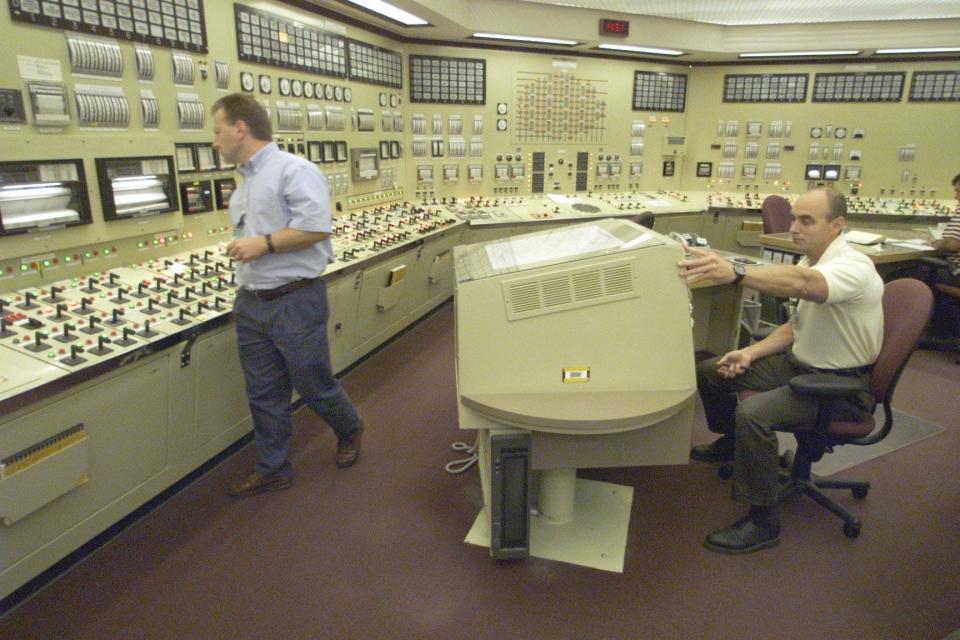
[[296, 87], [318, 90], [308, 89], [383, 99], [501, 124], [394, 101], [328, 91], [338, 93], [816, 132], [246, 81], [284, 86], [840, 132], [502, 108], [347, 94], [266, 85]]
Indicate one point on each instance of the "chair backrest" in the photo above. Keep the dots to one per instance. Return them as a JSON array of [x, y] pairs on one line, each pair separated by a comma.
[[907, 305], [644, 219], [775, 212]]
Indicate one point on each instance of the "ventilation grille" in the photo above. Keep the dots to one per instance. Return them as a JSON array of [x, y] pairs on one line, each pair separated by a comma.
[[571, 289]]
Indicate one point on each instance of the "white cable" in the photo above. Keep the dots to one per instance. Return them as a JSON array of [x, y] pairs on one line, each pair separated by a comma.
[[461, 465]]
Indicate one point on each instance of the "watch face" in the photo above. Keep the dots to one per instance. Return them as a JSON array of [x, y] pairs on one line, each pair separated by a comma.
[[266, 85], [308, 89], [394, 101], [328, 91], [284, 86], [246, 81], [297, 88], [383, 99], [338, 93]]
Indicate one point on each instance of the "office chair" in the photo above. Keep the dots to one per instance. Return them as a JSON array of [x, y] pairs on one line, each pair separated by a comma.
[[907, 305], [644, 219], [953, 342], [775, 212]]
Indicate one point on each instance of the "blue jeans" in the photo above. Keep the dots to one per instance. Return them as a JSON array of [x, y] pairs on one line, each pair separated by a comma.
[[283, 346]]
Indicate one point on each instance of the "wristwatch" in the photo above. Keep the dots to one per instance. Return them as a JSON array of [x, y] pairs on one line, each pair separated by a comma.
[[740, 272]]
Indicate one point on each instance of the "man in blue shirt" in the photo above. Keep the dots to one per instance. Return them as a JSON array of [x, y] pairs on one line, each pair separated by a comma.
[[281, 227]]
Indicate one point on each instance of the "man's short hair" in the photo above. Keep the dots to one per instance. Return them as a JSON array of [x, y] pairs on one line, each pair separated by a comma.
[[956, 180], [836, 203], [238, 106]]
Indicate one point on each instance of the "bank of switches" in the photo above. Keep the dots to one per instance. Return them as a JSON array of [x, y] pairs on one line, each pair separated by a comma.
[[84, 320], [362, 234]]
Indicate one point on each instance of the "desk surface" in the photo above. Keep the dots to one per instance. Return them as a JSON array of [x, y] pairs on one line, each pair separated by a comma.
[[880, 253]]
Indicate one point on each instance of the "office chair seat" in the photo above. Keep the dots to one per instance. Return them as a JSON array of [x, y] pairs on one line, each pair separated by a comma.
[[907, 305]]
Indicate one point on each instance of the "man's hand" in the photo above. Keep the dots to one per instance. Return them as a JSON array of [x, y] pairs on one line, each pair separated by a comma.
[[706, 265], [247, 249], [734, 363]]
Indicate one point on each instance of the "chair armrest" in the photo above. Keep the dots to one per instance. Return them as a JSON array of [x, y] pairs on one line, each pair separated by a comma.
[[934, 261], [828, 385]]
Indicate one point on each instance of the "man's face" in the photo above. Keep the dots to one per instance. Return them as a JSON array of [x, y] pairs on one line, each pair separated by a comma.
[[811, 231], [228, 138]]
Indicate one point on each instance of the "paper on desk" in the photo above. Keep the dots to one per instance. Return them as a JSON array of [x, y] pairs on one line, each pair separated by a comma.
[[561, 199], [916, 245]]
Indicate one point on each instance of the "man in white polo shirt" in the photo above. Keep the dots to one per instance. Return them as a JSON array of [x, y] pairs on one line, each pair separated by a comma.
[[837, 327]]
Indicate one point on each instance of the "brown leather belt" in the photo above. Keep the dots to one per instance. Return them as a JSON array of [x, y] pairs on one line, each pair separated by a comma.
[[272, 294]]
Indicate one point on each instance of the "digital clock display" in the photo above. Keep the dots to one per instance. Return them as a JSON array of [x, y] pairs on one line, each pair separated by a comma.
[[614, 27]]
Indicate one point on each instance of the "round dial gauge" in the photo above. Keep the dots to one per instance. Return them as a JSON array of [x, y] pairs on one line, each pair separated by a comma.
[[394, 101], [840, 132], [501, 124], [328, 91], [246, 81], [266, 85], [502, 108], [284, 86], [318, 90], [383, 99], [338, 93], [297, 88], [308, 89], [816, 132], [347, 94]]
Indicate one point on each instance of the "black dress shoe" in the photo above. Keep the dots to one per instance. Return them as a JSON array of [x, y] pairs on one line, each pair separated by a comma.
[[720, 450], [743, 536]]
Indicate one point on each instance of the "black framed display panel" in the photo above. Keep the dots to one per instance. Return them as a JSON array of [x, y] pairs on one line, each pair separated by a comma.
[[176, 24], [223, 188], [42, 194], [656, 91], [136, 187], [935, 86], [446, 80], [196, 196], [879, 86], [765, 87]]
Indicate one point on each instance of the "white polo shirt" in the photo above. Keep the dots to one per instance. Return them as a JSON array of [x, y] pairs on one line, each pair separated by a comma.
[[846, 330]]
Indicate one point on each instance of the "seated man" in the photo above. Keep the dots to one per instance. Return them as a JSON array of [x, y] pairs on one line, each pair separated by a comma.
[[837, 327], [949, 244]]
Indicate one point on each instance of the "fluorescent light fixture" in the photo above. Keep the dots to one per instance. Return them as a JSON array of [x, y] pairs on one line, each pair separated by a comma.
[[921, 50], [389, 11], [798, 54], [500, 36], [653, 50]]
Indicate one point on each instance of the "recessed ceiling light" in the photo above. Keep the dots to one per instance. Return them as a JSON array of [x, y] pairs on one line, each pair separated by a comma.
[[653, 50], [798, 54], [389, 11], [921, 50], [500, 36]]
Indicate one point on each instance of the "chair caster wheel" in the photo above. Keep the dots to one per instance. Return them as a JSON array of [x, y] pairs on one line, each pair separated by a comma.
[[725, 471], [851, 530], [859, 492]]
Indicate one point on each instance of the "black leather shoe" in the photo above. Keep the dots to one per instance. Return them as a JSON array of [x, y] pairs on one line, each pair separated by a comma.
[[720, 450], [743, 536]]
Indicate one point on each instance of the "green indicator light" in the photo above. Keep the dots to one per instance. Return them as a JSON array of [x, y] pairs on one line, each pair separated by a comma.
[[24, 267], [51, 355]]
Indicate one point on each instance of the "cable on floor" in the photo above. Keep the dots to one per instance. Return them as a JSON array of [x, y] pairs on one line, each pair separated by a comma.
[[461, 465]]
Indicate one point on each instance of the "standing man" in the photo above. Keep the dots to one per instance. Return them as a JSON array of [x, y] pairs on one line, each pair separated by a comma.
[[837, 327], [281, 228]]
